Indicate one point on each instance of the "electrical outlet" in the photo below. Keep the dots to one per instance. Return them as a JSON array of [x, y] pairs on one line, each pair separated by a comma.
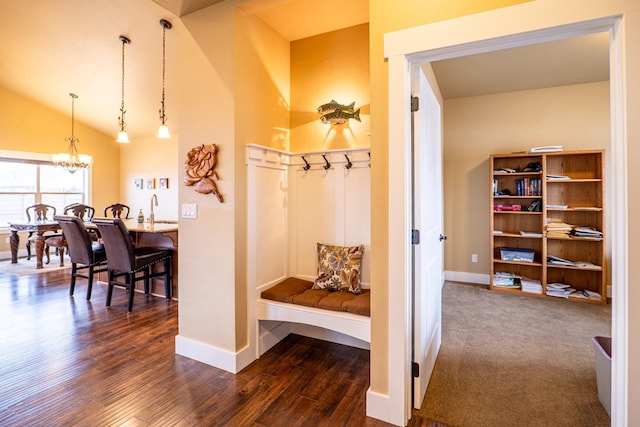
[[474, 257]]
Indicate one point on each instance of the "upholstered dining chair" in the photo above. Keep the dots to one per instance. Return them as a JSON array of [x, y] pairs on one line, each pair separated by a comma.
[[38, 212], [83, 252], [117, 210], [85, 213], [129, 262]]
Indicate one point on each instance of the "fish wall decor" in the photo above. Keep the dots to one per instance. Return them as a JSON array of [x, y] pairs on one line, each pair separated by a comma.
[[337, 114]]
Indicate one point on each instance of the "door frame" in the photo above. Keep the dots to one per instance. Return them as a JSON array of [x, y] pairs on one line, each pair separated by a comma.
[[495, 30]]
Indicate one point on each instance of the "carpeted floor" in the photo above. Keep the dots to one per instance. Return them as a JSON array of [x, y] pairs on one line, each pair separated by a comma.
[[510, 360]]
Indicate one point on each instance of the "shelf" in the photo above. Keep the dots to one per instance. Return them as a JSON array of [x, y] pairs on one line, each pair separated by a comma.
[[576, 199]]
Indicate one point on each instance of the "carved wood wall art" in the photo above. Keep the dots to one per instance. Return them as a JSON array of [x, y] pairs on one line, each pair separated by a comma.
[[199, 170]]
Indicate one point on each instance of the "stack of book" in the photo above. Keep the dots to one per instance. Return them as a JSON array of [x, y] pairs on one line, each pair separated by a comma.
[[588, 232], [559, 290], [531, 285], [558, 229], [554, 260], [586, 294], [506, 280]]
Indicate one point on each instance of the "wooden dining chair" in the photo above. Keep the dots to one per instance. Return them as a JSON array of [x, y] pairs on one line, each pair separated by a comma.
[[83, 252], [117, 210], [79, 210], [131, 263], [38, 212]]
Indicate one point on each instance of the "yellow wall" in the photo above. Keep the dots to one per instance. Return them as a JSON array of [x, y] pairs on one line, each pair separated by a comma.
[[386, 16], [576, 117], [331, 66], [150, 158], [32, 127]]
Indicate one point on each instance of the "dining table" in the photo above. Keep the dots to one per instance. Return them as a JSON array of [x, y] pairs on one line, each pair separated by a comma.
[[35, 228]]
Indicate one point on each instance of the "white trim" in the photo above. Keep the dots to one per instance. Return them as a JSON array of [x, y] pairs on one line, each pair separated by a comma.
[[464, 277], [214, 356], [377, 405], [518, 25]]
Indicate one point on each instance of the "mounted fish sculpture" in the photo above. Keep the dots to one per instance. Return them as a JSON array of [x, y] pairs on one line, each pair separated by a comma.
[[199, 169], [337, 114]]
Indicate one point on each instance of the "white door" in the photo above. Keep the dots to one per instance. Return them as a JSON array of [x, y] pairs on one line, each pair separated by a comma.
[[428, 257]]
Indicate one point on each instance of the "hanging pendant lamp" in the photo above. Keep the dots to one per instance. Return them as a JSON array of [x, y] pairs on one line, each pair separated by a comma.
[[122, 135], [70, 160], [163, 130]]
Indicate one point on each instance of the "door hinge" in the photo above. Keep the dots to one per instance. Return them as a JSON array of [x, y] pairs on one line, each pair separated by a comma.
[[415, 369], [415, 237], [415, 104]]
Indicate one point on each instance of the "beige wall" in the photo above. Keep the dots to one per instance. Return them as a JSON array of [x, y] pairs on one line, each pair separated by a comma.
[[150, 158], [576, 117], [331, 66], [386, 16], [33, 127]]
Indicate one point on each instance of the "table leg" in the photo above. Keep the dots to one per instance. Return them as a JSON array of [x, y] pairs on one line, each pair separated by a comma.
[[14, 242], [39, 248]]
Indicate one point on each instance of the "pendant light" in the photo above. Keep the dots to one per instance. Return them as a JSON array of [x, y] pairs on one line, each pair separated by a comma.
[[122, 135], [70, 160], [163, 130]]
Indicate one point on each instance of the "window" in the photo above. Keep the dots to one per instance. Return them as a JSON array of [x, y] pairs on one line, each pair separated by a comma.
[[24, 182]]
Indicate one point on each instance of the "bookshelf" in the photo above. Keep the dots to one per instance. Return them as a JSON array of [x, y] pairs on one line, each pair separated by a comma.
[[550, 205]]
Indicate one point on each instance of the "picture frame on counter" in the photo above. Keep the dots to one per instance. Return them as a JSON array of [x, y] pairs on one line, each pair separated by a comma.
[[151, 183], [138, 183], [163, 183]]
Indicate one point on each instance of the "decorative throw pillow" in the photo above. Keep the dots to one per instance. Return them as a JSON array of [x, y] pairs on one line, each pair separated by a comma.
[[329, 281], [345, 260]]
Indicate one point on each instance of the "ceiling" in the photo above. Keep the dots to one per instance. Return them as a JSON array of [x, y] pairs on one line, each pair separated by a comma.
[[53, 48]]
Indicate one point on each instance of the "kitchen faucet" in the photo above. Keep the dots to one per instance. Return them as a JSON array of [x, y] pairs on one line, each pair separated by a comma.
[[151, 215]]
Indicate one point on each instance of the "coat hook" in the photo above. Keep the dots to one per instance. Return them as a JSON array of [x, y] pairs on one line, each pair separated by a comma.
[[349, 164], [306, 166], [327, 165], [369, 153]]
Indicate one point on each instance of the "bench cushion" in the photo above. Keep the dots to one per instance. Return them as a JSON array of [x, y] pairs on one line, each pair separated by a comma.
[[298, 291]]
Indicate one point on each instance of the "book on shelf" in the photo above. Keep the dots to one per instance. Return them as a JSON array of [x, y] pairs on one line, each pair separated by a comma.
[[559, 290], [557, 206], [551, 177], [497, 231], [554, 260], [530, 233], [586, 232], [586, 294], [531, 285], [546, 149], [587, 264]]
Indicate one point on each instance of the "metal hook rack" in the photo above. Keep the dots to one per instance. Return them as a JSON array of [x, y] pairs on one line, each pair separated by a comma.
[[306, 166], [327, 165], [349, 164]]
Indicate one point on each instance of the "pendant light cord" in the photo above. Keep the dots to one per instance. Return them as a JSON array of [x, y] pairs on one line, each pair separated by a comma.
[[163, 117]]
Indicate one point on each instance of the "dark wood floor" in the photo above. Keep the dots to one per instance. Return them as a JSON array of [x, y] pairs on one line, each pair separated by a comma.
[[65, 361]]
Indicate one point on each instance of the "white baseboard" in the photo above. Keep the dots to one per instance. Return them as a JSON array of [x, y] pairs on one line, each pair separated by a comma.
[[328, 335], [270, 334], [377, 405], [461, 276], [213, 356]]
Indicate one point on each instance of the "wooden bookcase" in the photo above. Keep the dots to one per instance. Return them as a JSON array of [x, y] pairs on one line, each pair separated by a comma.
[[568, 187]]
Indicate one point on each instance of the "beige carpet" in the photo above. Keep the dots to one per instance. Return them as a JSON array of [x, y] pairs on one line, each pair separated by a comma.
[[510, 360], [24, 267]]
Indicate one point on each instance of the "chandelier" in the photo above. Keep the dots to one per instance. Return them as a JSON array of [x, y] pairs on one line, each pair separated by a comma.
[[70, 160], [122, 134], [163, 131]]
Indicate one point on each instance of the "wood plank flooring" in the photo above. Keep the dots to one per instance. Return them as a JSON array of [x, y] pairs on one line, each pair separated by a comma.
[[65, 361]]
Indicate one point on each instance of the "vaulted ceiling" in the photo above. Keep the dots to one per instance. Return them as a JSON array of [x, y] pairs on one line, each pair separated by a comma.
[[52, 48]]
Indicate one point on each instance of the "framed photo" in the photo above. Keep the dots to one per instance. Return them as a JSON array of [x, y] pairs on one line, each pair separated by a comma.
[[138, 182], [163, 183], [151, 183]]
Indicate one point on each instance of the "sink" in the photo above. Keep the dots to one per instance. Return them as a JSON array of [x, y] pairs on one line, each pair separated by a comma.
[[165, 221]]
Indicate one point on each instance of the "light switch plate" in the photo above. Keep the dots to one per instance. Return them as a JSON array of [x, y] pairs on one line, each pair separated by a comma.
[[189, 210]]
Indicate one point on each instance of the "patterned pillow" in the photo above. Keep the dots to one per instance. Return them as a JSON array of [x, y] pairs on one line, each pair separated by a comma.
[[329, 281], [345, 261]]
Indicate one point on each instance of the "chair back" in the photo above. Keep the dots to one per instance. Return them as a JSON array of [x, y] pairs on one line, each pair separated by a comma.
[[78, 241], [40, 212], [84, 212], [117, 210], [117, 244]]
